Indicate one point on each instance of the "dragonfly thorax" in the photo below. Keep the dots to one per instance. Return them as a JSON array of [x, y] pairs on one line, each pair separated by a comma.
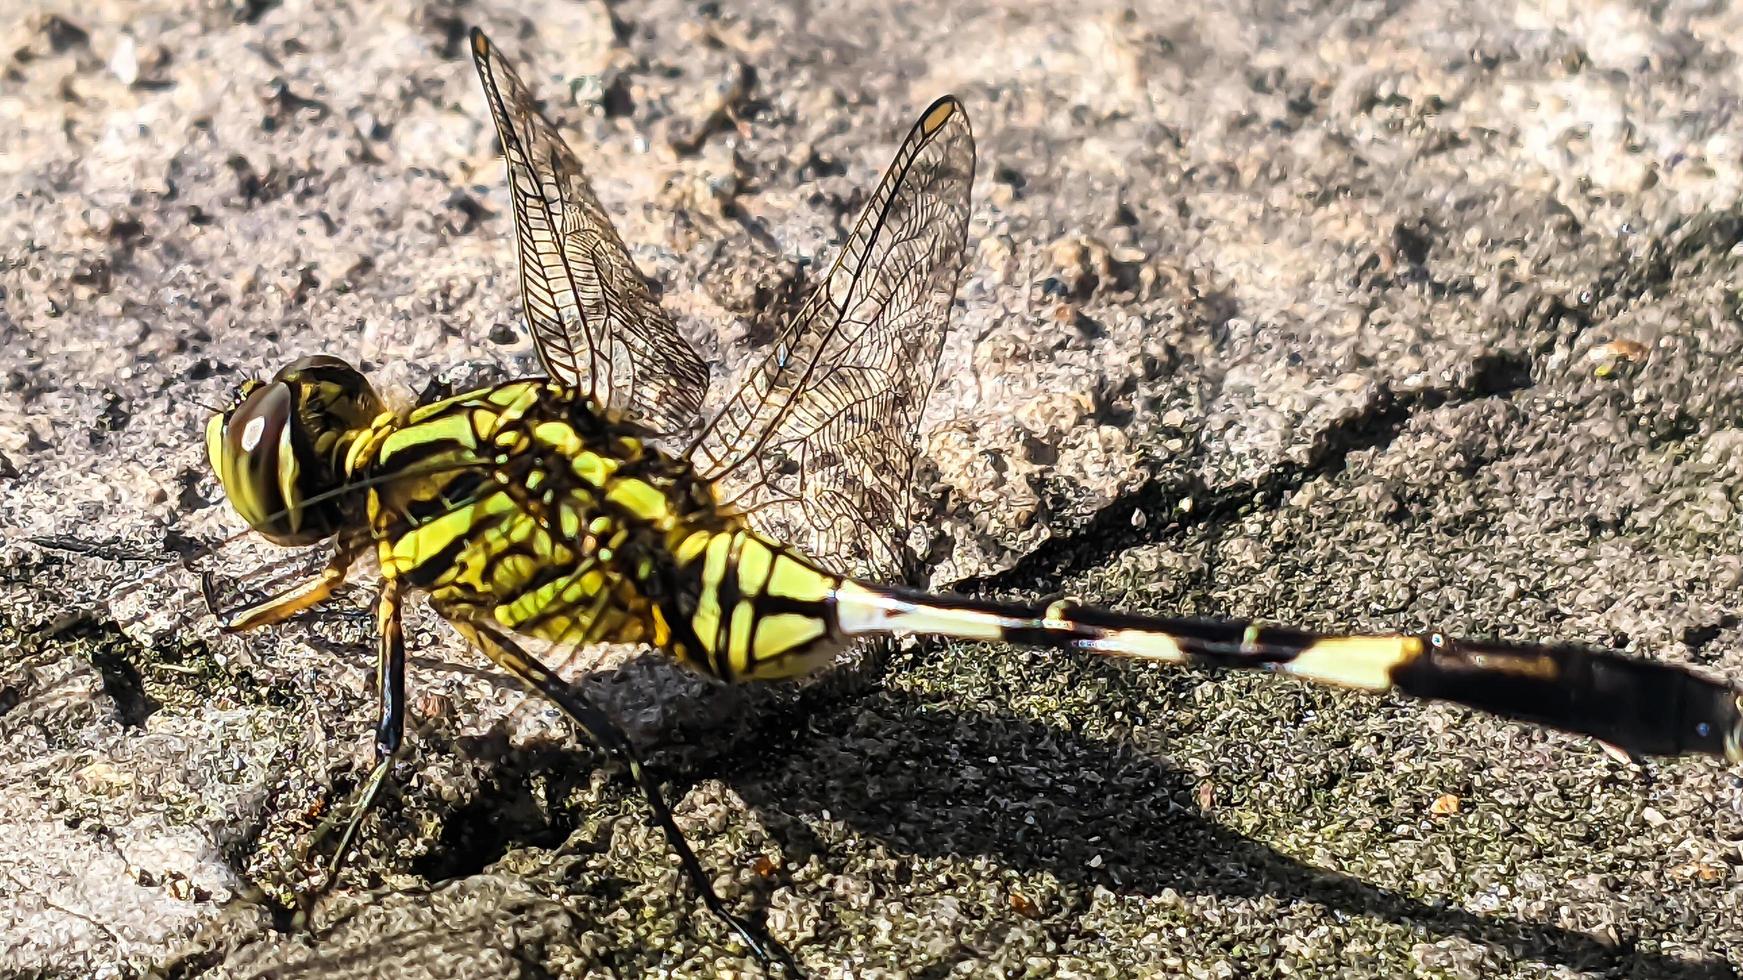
[[279, 448]]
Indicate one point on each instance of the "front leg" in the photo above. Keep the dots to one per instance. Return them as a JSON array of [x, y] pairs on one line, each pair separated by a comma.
[[298, 597]]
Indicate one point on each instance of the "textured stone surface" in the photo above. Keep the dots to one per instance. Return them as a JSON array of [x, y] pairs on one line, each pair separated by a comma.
[[1369, 317]]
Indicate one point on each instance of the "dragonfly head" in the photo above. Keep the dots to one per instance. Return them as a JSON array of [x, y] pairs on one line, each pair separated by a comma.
[[279, 448]]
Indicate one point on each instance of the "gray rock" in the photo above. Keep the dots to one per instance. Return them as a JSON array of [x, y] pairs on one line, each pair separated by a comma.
[[1357, 317]]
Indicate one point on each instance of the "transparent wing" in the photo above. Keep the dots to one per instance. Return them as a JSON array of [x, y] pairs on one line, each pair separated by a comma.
[[594, 322], [818, 444]]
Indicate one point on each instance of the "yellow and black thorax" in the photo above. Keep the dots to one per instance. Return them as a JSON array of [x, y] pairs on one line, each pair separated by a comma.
[[526, 503]]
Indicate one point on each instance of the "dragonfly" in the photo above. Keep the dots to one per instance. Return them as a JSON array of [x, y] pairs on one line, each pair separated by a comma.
[[595, 503]]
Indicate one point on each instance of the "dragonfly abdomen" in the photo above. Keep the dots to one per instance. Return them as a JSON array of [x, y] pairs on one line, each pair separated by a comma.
[[753, 609], [1645, 707]]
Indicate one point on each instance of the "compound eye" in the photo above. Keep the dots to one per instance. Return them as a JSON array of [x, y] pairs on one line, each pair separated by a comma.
[[256, 462], [259, 420]]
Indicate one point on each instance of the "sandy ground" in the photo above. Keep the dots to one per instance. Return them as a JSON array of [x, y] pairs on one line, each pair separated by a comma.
[[1379, 316]]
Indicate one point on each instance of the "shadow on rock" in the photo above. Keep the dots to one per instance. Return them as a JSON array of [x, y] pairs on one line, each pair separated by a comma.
[[924, 780]]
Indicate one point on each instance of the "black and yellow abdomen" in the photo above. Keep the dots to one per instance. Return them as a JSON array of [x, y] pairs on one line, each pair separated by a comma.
[[762, 611], [524, 504]]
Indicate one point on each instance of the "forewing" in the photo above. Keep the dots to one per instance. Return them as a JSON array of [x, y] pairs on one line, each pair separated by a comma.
[[818, 444], [594, 322]]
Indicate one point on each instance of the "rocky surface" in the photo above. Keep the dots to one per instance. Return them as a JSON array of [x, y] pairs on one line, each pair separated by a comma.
[[1373, 316]]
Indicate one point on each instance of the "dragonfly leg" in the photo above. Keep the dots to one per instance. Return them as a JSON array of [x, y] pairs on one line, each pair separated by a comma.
[[389, 670], [390, 717], [299, 596], [505, 653]]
